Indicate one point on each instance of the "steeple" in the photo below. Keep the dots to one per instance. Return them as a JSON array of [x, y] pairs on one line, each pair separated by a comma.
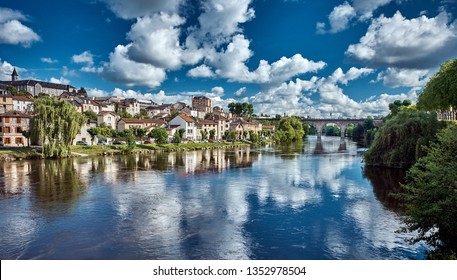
[[14, 76]]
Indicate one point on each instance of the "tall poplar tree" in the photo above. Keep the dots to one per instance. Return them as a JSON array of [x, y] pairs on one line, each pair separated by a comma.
[[55, 125]]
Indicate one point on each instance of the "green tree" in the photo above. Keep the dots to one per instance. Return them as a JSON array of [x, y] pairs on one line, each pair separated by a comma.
[[204, 134], [253, 136], [440, 93], [143, 114], [159, 134], [129, 136], [124, 114], [399, 141], [398, 106], [139, 132], [93, 131], [55, 125], [27, 134], [290, 129], [91, 115], [212, 134], [431, 196], [16, 92], [177, 138], [82, 91]]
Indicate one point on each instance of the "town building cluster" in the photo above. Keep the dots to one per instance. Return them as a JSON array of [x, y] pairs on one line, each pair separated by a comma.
[[114, 112]]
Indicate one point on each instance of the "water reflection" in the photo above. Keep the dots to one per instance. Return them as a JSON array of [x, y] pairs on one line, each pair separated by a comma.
[[272, 203], [58, 180], [386, 181]]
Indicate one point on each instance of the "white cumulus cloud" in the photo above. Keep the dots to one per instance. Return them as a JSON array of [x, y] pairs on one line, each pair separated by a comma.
[[201, 71], [48, 60], [61, 80], [120, 69], [398, 77], [407, 43], [13, 32], [155, 40], [138, 8]]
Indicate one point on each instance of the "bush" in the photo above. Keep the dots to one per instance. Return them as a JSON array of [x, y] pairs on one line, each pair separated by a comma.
[[400, 140]]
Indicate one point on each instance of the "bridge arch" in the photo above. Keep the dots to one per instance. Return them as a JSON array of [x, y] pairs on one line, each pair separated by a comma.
[[341, 123]]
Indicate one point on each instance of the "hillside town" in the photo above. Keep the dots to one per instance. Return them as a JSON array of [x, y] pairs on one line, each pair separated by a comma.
[[16, 111]]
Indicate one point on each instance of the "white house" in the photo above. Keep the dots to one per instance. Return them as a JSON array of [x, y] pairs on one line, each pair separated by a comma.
[[186, 122], [108, 118], [83, 135], [22, 104]]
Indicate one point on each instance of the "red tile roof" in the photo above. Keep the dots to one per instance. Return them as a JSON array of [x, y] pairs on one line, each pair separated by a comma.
[[186, 118]]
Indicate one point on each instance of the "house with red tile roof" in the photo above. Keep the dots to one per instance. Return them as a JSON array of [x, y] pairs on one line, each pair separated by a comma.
[[186, 122], [149, 124]]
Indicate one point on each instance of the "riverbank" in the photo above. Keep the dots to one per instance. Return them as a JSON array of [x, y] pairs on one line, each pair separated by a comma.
[[22, 153]]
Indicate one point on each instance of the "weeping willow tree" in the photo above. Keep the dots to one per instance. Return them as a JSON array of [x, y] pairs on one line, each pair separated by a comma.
[[400, 140], [55, 125]]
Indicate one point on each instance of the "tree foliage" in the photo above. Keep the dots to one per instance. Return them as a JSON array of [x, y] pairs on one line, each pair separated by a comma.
[[204, 134], [290, 129], [143, 114], [399, 105], [178, 136], [399, 141], [440, 93], [431, 196], [93, 132], [55, 125], [82, 92], [124, 114], [241, 109], [159, 134], [91, 115], [212, 134], [16, 92]]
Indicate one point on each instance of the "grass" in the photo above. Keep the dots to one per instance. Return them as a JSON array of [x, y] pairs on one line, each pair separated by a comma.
[[19, 152], [96, 150], [118, 149]]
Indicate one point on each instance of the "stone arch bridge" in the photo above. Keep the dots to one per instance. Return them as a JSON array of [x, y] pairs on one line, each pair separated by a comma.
[[341, 123]]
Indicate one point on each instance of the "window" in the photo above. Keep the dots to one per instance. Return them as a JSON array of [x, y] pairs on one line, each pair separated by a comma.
[[19, 140], [7, 119], [18, 120], [1, 129], [7, 129], [19, 129], [189, 131], [6, 141]]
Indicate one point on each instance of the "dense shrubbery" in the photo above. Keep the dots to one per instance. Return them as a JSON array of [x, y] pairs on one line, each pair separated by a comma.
[[400, 140], [431, 196]]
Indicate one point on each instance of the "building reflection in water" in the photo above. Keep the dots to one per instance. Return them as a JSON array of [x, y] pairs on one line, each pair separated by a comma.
[[198, 204]]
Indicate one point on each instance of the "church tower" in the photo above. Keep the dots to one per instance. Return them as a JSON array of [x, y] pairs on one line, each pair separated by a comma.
[[14, 76]]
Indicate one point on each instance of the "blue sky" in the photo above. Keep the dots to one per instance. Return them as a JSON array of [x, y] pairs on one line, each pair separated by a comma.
[[348, 58]]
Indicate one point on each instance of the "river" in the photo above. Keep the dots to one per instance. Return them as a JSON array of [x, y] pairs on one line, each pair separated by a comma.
[[305, 201]]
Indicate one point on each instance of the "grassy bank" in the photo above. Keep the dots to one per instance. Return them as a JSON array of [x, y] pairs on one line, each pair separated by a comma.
[[18, 153], [139, 148], [99, 150]]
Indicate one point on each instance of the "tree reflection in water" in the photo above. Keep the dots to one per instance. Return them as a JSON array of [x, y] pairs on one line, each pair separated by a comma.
[[57, 181], [385, 182]]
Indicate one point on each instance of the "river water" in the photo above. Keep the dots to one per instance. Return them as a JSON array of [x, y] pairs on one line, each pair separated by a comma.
[[306, 201]]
